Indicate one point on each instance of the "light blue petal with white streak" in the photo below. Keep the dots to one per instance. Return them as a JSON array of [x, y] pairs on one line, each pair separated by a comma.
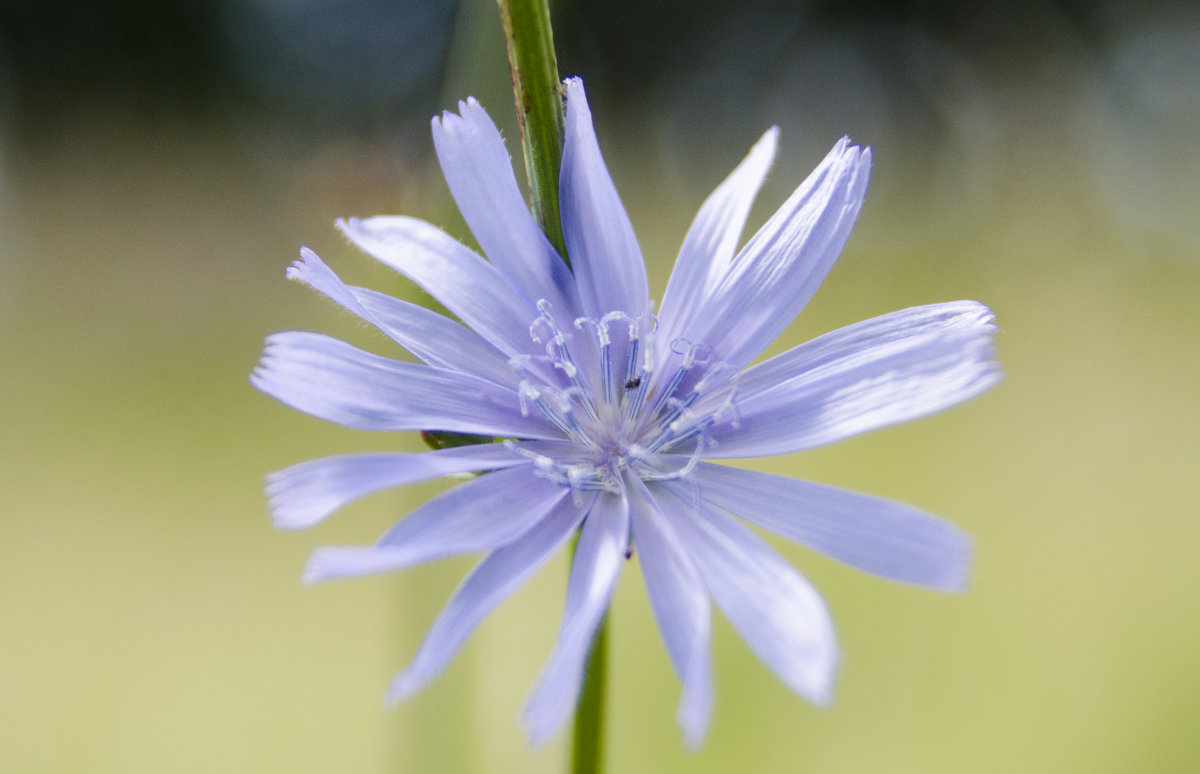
[[434, 338], [778, 613], [305, 494], [479, 172], [330, 379], [603, 250], [861, 378], [483, 514], [883, 537], [868, 340], [780, 268], [594, 570], [470, 287], [680, 606], [711, 241], [492, 581]]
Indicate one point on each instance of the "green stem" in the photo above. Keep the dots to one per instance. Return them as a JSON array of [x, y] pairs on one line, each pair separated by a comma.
[[538, 92], [587, 748]]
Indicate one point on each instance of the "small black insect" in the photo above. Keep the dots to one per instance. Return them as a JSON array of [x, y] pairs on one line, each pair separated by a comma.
[[632, 384]]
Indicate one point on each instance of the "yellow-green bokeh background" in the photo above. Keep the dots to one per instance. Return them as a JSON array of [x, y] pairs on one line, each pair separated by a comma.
[[154, 622]]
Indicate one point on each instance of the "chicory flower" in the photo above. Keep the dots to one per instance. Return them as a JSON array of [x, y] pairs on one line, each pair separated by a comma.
[[606, 413]]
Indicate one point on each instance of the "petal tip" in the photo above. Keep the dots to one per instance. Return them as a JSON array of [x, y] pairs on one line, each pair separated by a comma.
[[694, 722], [289, 519], [325, 564], [576, 100], [403, 687]]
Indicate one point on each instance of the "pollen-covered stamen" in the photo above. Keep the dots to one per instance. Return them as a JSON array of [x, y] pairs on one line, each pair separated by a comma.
[[587, 478], [639, 364], [576, 473], [615, 381], [713, 377], [560, 415], [668, 424], [541, 462], [690, 424], [680, 420], [604, 343], [631, 353], [693, 355], [622, 384], [682, 472], [560, 354], [632, 416]]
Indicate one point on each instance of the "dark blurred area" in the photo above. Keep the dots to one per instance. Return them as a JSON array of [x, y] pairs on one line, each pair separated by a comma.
[[349, 66], [339, 67], [937, 87]]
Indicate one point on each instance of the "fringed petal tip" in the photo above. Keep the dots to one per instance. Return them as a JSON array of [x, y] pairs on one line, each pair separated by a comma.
[[448, 118], [572, 86], [288, 512], [288, 518], [292, 508], [307, 258], [541, 726], [334, 562], [852, 150], [262, 373], [846, 150], [404, 686], [320, 566], [823, 687], [693, 717], [309, 269], [957, 572], [535, 735], [347, 226], [811, 672]]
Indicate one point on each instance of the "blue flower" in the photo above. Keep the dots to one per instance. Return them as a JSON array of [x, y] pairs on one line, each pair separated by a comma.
[[609, 411]]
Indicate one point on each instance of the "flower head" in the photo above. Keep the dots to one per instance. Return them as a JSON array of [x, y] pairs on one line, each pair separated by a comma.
[[610, 412]]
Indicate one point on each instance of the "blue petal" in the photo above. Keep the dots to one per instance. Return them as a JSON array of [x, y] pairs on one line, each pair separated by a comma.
[[598, 558], [480, 175], [711, 241], [604, 253], [778, 613], [780, 268], [470, 287], [680, 607], [304, 494], [869, 340], [889, 539], [481, 515], [493, 581], [434, 338], [332, 380], [869, 375]]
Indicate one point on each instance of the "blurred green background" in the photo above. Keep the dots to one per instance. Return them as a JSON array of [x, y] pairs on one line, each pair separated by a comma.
[[160, 164]]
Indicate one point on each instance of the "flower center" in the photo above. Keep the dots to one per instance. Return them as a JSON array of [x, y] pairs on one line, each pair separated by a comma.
[[624, 404]]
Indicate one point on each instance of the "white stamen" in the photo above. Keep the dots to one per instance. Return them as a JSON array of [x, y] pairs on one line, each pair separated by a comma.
[[620, 426]]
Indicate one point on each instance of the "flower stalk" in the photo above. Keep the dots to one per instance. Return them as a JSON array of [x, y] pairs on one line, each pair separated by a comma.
[[587, 738], [537, 90]]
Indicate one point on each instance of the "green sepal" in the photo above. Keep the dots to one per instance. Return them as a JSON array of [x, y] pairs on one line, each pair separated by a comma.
[[441, 439]]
